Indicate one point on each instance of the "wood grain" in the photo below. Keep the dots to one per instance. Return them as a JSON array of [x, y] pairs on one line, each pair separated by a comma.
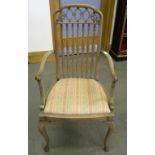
[[36, 57]]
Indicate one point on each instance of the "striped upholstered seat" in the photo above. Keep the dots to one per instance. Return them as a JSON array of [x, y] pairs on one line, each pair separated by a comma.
[[75, 96]]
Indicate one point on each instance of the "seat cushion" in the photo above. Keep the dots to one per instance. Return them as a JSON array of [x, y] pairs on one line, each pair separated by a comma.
[[75, 96]]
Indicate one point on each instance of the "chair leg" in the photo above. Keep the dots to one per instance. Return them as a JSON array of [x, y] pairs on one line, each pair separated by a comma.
[[43, 132], [108, 134]]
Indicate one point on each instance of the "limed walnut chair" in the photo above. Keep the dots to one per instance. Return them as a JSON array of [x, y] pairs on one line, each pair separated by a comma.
[[77, 95]]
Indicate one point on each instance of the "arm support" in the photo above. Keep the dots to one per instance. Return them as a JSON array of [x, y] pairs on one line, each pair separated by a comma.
[[38, 77], [111, 65], [114, 78]]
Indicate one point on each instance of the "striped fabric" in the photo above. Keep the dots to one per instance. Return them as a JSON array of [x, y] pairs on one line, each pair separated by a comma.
[[75, 96]]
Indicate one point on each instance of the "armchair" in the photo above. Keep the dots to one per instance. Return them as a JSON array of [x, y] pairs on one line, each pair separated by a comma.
[[77, 95]]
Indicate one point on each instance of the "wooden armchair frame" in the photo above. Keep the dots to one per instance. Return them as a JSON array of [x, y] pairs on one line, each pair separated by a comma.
[[45, 118]]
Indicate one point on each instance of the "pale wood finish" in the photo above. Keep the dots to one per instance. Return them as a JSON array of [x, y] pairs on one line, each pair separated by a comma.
[[42, 65], [107, 8], [43, 132], [114, 78], [108, 134], [46, 117], [75, 118], [83, 47], [111, 65], [38, 77]]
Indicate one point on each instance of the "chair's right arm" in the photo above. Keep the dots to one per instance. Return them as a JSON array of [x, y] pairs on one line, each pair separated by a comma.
[[114, 78], [38, 77]]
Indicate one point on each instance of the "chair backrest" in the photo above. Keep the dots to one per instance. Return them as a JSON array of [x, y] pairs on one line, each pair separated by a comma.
[[77, 54]]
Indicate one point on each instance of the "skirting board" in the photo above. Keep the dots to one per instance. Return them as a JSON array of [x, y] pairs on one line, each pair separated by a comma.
[[118, 57], [36, 57]]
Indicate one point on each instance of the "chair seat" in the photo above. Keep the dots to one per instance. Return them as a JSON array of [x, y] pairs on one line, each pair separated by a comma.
[[77, 96]]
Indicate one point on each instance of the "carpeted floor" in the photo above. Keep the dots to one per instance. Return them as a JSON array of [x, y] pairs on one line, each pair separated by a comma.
[[79, 138]]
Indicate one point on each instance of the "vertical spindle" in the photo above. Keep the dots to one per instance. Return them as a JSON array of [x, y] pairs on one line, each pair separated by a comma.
[[67, 49], [92, 54], [87, 56], [99, 37], [77, 50], [82, 51], [62, 51], [72, 50]]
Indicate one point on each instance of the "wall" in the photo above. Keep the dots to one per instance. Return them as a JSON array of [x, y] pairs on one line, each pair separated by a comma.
[[39, 25]]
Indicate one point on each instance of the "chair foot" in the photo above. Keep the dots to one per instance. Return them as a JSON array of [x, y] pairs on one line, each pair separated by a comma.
[[106, 149], [43, 132], [46, 148], [108, 134]]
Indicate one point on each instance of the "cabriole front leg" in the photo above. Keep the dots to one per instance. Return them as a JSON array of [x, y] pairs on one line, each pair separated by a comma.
[[43, 132], [108, 134]]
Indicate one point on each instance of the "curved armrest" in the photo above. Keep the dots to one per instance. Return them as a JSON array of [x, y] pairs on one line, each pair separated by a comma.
[[38, 77], [114, 77], [111, 65]]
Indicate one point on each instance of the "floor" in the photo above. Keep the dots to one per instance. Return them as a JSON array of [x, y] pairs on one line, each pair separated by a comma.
[[79, 138]]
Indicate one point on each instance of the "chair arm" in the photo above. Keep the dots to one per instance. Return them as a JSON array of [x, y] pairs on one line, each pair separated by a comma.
[[111, 65], [114, 78], [38, 77]]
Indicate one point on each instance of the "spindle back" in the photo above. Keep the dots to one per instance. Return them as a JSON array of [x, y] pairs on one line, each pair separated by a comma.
[[81, 30]]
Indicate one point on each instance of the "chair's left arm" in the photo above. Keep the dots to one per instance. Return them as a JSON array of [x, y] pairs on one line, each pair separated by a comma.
[[114, 78], [39, 75]]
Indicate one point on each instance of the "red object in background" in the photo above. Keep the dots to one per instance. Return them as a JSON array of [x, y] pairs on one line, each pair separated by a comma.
[[124, 44], [125, 29], [124, 41]]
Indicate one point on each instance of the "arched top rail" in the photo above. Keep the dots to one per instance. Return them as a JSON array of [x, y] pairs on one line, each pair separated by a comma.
[[78, 13]]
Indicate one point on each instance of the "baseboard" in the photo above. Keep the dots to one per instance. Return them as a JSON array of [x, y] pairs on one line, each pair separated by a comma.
[[36, 57], [118, 57]]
